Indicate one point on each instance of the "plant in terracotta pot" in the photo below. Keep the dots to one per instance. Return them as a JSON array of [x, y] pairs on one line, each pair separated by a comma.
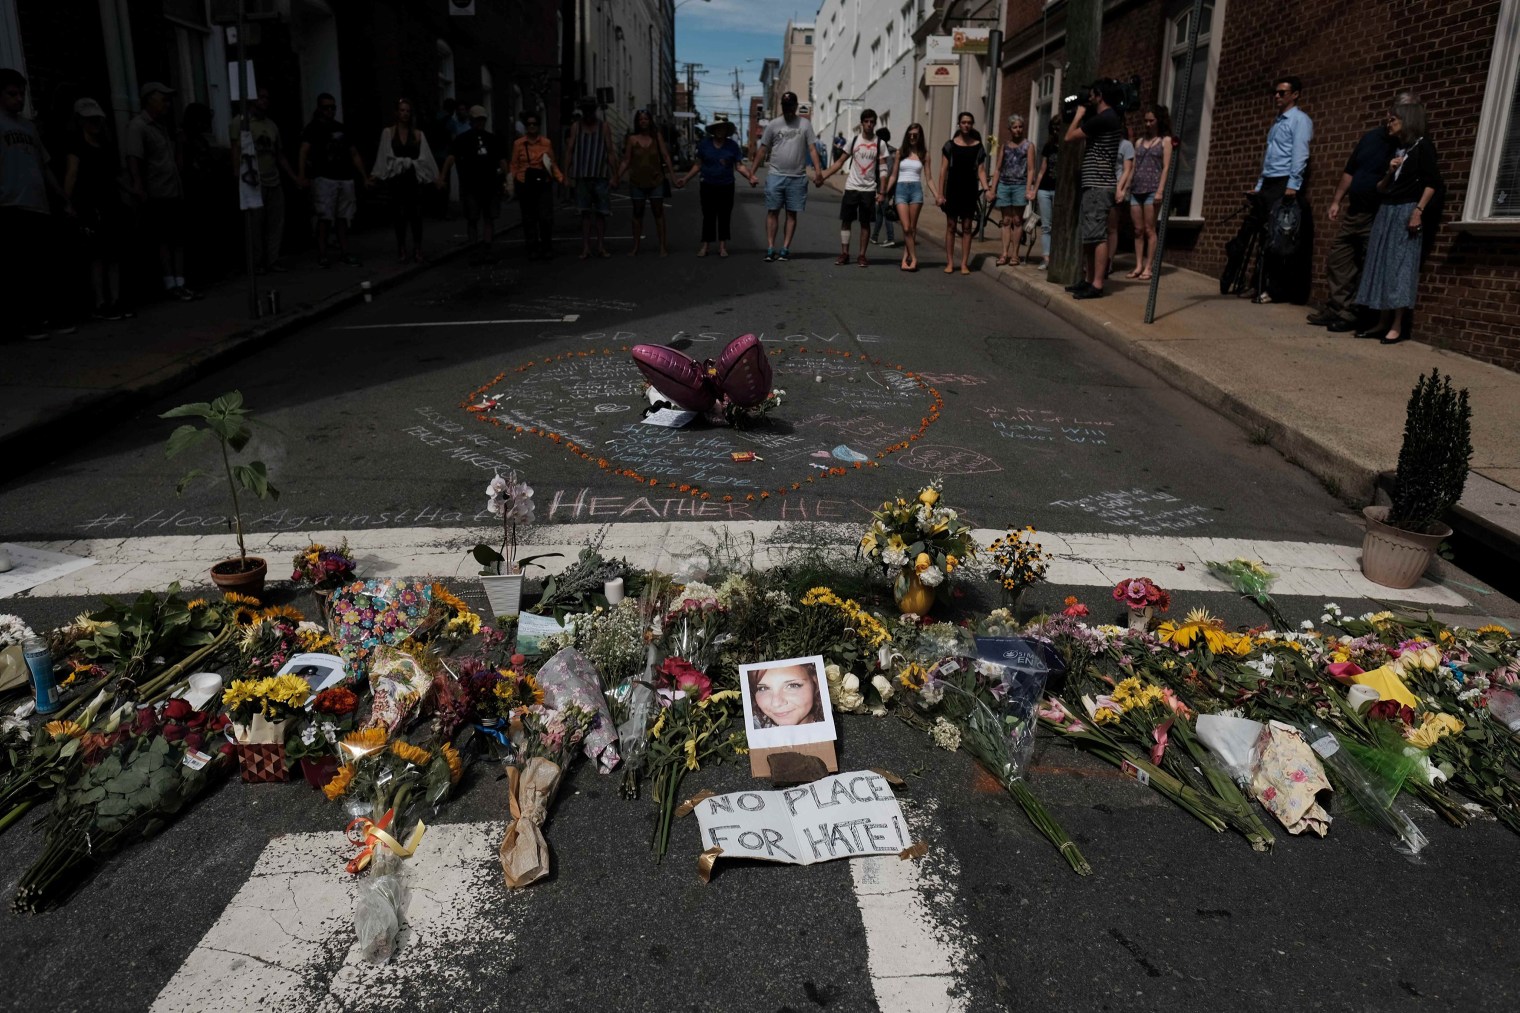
[[227, 422], [1433, 462], [918, 543], [501, 572]]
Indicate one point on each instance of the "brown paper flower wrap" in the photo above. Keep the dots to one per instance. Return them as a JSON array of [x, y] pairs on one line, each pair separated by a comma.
[[530, 792]]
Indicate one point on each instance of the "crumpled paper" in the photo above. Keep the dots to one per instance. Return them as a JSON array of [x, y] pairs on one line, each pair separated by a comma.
[[524, 850], [570, 678], [1288, 777], [1233, 740]]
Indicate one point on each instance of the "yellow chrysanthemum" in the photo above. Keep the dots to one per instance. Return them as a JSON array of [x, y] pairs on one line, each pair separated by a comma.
[[1105, 716], [63, 729], [659, 725], [691, 755], [314, 641], [412, 754], [454, 760], [241, 692], [1433, 727], [335, 788]]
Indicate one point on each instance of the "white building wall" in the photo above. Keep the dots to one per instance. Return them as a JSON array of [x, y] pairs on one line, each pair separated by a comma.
[[623, 42], [862, 59]]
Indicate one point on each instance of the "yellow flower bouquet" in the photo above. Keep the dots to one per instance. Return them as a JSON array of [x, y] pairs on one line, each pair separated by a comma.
[[919, 538]]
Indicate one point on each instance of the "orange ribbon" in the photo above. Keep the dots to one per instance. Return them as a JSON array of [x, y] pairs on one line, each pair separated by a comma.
[[370, 833]]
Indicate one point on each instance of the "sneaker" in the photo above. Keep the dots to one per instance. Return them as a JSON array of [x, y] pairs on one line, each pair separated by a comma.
[[127, 312], [353, 261], [35, 333], [1044, 265], [1075, 286], [106, 312], [181, 293], [890, 243], [65, 329], [1088, 293], [842, 259], [863, 262], [785, 254], [770, 256]]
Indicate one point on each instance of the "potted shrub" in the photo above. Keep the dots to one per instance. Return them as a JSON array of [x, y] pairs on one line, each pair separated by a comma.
[[501, 572], [226, 421], [1401, 539]]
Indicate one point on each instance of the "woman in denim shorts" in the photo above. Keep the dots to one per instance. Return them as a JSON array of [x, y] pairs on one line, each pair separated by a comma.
[[647, 163], [910, 175], [1013, 190], [1153, 160]]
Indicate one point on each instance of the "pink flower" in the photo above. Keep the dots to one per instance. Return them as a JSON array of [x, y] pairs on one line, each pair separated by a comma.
[[1269, 794], [1298, 776]]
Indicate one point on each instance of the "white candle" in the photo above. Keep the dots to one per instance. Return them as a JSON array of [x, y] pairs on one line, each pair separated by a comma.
[[613, 589]]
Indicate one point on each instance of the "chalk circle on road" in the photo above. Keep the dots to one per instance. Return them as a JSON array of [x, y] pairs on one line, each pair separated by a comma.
[[576, 400]]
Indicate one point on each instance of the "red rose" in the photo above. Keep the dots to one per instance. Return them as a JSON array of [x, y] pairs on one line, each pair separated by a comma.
[[680, 674], [197, 719], [194, 740], [218, 723], [177, 710], [174, 733], [296, 577], [227, 749], [143, 722]]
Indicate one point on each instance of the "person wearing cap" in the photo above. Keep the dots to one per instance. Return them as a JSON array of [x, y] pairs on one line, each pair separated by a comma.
[[481, 159], [788, 144], [153, 167], [327, 163], [864, 188], [26, 219], [89, 181], [533, 174], [647, 163], [271, 167], [718, 158], [593, 163]]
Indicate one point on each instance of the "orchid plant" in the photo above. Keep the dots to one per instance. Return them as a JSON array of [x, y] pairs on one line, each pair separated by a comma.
[[511, 499]]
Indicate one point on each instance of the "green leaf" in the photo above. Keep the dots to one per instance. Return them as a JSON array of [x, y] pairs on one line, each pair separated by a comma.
[[112, 805], [190, 476], [232, 401], [485, 555], [183, 439], [197, 409], [128, 781]]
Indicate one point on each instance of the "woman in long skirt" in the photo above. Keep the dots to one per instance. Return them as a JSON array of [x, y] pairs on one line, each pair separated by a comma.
[[1391, 276], [718, 158]]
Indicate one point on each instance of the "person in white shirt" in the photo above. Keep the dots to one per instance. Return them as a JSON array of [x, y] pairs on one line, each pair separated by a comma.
[[911, 175], [864, 188]]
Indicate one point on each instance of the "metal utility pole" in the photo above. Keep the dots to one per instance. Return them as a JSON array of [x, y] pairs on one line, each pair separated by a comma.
[[1178, 127], [242, 62], [1084, 32]]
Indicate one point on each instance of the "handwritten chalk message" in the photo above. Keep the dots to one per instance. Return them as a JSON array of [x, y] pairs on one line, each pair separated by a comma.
[[843, 816], [1145, 510]]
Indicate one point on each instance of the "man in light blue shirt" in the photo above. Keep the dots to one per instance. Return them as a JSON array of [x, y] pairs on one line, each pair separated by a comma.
[[1288, 140]]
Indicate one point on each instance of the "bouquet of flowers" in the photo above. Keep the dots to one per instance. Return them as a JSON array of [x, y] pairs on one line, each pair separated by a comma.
[[545, 740], [690, 730], [1250, 580], [744, 416], [371, 613], [920, 540], [321, 568], [1018, 561], [693, 628], [1141, 593]]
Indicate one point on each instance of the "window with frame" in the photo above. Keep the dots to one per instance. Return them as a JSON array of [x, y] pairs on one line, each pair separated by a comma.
[[888, 39], [1196, 107], [875, 59], [1493, 189], [445, 72], [1042, 105], [907, 27]]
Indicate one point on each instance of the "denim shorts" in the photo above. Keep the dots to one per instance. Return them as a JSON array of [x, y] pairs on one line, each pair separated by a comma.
[[1141, 199], [654, 193], [910, 193], [1011, 195], [593, 194], [788, 192]]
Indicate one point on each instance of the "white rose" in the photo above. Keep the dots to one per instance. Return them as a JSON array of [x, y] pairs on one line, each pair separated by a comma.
[[851, 701], [850, 683], [883, 686]]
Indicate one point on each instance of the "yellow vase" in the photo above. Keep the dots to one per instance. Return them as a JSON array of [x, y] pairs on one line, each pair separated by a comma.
[[917, 599]]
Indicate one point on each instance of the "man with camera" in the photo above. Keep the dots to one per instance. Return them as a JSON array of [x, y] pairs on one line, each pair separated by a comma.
[[1098, 123]]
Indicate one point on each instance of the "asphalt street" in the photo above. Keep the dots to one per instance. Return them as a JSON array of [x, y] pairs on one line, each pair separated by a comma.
[[366, 427]]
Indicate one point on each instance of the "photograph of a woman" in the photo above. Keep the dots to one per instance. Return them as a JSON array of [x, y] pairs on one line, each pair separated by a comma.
[[786, 702]]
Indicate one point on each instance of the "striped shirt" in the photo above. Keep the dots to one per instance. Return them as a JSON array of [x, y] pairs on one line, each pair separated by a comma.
[[590, 158]]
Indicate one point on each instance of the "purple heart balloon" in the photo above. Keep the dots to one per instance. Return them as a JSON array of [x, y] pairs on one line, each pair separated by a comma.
[[743, 371], [675, 375]]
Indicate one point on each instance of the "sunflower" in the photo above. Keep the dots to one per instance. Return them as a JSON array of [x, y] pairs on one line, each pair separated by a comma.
[[443, 596], [454, 760], [913, 677], [314, 641], [64, 729], [1198, 625], [197, 603], [411, 754], [283, 613], [233, 598], [1492, 630], [335, 788], [364, 741]]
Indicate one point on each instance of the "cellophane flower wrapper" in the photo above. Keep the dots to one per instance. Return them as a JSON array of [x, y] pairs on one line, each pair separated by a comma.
[[1372, 797], [380, 907], [1016, 671], [569, 678], [397, 684], [371, 613]]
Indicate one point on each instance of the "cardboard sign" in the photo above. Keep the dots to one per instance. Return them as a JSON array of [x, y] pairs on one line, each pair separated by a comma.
[[843, 816]]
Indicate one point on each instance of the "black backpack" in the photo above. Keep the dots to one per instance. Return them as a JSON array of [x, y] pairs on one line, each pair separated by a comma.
[[1283, 228]]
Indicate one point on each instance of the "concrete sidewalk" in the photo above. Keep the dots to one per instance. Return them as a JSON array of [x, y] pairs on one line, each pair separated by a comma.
[[52, 389], [1330, 403]]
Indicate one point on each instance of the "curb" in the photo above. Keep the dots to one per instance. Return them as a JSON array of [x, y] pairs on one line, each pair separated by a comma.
[[27, 448], [1349, 480]]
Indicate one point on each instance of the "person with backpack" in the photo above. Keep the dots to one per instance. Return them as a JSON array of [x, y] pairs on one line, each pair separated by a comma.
[[864, 186]]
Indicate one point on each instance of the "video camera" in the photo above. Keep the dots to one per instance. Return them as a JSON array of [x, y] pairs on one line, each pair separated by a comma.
[[1124, 96]]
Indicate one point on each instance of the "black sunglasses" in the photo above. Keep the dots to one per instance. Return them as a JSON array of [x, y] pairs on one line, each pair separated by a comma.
[[1283, 91]]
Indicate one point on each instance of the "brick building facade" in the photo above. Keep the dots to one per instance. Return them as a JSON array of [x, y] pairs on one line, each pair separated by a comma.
[[1458, 56]]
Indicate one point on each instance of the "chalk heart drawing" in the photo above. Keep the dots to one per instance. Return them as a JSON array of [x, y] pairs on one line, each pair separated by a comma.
[[833, 398], [943, 459]]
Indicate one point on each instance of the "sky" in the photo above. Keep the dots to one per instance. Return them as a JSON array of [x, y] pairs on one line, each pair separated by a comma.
[[725, 34]]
